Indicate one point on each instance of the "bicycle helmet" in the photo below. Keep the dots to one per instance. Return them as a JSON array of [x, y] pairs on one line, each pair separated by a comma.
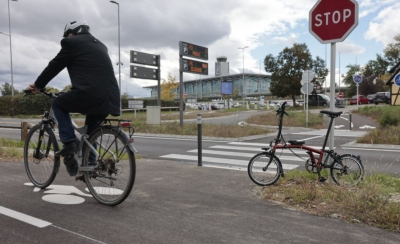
[[76, 27]]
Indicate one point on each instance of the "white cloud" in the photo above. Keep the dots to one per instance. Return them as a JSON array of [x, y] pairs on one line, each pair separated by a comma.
[[383, 27], [157, 27]]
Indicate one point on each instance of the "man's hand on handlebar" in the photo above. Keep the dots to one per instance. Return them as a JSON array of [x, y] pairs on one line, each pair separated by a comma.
[[32, 88]]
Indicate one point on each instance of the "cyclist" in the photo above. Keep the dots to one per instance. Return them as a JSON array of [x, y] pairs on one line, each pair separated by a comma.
[[94, 91]]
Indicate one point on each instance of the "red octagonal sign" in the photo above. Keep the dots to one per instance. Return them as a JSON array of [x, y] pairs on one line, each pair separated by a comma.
[[333, 20]]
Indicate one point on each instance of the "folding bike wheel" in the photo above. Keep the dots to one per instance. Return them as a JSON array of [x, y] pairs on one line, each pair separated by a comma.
[[263, 172], [349, 171]]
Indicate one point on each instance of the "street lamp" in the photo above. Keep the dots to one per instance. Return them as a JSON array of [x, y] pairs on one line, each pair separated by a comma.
[[119, 58], [9, 35], [243, 72]]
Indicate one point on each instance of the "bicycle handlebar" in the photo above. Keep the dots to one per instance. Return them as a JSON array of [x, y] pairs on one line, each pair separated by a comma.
[[43, 91], [281, 110]]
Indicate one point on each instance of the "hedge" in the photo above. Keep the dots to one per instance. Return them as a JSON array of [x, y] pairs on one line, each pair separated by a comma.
[[36, 105]]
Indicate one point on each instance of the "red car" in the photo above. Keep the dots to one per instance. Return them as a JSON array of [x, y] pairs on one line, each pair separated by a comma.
[[361, 100]]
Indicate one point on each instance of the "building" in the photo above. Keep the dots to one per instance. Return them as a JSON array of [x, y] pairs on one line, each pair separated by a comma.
[[210, 88]]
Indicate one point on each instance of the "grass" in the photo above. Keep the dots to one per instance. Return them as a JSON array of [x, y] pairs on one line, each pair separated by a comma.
[[375, 201], [388, 118], [10, 149], [295, 119], [190, 129]]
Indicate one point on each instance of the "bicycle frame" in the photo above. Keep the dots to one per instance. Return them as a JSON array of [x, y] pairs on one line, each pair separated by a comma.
[[299, 145], [50, 120]]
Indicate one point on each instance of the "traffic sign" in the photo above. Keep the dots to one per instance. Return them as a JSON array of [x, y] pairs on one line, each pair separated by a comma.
[[332, 21], [307, 76], [357, 79], [397, 80], [340, 94], [307, 88]]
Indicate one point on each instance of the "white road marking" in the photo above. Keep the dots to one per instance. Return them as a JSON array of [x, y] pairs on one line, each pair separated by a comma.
[[370, 149], [298, 151], [247, 155], [220, 160], [63, 199], [23, 217], [367, 127], [338, 126]]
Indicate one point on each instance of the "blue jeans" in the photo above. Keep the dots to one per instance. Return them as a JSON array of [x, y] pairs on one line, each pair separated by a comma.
[[65, 127]]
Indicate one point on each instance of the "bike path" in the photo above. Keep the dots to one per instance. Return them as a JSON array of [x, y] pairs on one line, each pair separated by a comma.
[[171, 202]]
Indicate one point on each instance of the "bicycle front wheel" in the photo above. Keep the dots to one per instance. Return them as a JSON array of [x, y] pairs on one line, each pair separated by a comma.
[[264, 169], [348, 171], [40, 163], [114, 168]]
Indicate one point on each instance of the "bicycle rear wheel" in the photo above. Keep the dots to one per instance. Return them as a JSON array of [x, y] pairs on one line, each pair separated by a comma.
[[40, 163], [264, 169], [112, 180], [349, 171]]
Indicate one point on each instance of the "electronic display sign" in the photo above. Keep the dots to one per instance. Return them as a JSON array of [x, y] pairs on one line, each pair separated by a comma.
[[194, 51], [226, 87], [192, 66], [144, 73], [144, 58]]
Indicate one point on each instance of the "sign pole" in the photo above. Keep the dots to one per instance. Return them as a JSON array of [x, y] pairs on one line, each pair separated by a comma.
[[180, 93], [332, 95], [307, 101], [357, 96], [159, 81]]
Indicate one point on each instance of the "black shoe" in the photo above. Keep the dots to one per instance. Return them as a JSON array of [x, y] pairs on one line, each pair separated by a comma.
[[71, 164], [69, 147]]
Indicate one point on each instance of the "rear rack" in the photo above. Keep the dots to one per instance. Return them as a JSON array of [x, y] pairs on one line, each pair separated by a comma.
[[123, 123]]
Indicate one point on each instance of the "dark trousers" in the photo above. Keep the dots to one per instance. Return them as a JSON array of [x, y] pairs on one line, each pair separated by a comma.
[[65, 127]]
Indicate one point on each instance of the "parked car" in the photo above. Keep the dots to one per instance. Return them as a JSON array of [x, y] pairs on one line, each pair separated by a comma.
[[381, 97], [318, 100], [370, 97], [206, 107], [361, 100]]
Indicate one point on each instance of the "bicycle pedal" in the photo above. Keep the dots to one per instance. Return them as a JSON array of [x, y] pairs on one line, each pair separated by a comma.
[[321, 179]]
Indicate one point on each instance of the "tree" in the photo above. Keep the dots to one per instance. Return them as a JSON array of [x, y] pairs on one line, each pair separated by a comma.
[[353, 69], [67, 88], [287, 68], [169, 88], [6, 90], [320, 70], [392, 51]]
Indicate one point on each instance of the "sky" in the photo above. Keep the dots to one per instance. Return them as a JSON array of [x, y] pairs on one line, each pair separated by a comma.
[[157, 27]]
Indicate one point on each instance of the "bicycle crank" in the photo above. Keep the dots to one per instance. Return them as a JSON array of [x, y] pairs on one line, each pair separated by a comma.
[[310, 167]]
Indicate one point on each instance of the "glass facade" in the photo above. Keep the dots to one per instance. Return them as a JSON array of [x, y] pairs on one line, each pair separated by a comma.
[[255, 85]]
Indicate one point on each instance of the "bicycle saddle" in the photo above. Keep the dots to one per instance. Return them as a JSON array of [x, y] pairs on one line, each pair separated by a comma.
[[296, 142], [331, 114]]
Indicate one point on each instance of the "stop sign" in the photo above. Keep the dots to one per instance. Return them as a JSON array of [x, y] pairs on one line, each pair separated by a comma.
[[332, 21]]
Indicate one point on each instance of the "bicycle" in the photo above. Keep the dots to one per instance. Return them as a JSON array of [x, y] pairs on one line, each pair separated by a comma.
[[105, 160], [265, 168]]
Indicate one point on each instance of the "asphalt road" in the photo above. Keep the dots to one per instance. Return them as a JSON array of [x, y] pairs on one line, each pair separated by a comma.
[[171, 203], [175, 201]]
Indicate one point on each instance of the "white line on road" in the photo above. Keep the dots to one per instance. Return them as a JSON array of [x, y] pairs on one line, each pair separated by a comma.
[[370, 149], [220, 160], [80, 235], [247, 155], [297, 151], [23, 217]]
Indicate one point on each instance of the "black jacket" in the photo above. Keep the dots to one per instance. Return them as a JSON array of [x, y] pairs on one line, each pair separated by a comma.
[[94, 87]]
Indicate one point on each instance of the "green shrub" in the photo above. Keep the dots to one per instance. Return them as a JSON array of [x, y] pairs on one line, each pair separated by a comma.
[[390, 117]]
